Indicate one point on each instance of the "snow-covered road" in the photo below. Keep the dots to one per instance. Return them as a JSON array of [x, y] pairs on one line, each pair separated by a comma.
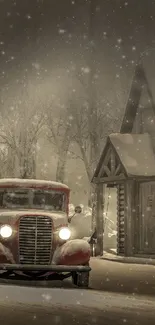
[[22, 305], [60, 303]]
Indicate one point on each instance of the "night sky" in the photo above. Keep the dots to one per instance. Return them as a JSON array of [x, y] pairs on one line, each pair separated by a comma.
[[45, 41]]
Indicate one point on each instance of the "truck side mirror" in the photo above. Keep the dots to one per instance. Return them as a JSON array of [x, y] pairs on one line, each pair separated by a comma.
[[78, 209]]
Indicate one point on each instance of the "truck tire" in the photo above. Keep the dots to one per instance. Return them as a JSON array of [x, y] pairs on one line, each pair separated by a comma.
[[80, 279]]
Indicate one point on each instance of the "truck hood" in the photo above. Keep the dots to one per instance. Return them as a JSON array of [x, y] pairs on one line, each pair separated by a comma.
[[12, 216]]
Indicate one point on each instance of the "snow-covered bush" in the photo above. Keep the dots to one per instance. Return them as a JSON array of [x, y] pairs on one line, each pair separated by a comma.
[[81, 223]]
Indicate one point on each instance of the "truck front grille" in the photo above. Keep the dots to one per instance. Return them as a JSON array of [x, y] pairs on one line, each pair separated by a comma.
[[35, 240]]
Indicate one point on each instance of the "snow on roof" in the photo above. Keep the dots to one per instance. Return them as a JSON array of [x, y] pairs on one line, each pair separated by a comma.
[[135, 152], [31, 182]]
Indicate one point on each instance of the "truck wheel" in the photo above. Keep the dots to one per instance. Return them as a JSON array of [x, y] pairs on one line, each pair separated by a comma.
[[80, 279]]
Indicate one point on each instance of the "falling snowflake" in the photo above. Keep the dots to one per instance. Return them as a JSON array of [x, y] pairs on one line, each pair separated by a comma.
[[134, 48], [78, 302], [119, 40], [85, 70], [96, 76], [70, 118], [98, 9], [117, 47], [36, 65], [28, 16], [85, 36], [46, 297], [62, 31]]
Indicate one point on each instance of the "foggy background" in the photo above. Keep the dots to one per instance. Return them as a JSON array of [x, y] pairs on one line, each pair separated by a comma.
[[54, 57]]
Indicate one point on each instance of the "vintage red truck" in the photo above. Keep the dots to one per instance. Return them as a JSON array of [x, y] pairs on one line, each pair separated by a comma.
[[34, 234]]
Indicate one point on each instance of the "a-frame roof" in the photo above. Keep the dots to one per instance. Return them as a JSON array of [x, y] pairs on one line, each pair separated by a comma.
[[126, 156], [139, 81]]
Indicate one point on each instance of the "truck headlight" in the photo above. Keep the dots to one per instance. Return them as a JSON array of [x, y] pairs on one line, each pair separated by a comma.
[[64, 233], [5, 231]]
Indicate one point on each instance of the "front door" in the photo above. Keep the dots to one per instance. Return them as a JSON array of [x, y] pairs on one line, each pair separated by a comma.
[[147, 218]]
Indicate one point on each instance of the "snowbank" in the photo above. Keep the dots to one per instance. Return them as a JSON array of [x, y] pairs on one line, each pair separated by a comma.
[[81, 224]]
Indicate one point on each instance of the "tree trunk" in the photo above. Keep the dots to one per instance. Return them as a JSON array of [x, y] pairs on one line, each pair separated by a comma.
[[61, 165], [27, 166], [92, 201], [91, 194], [62, 159], [11, 163]]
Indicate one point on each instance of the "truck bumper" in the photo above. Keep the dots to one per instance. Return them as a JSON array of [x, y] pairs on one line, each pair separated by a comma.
[[46, 268]]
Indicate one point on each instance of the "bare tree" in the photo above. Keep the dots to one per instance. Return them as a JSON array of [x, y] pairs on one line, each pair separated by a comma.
[[93, 118], [20, 130], [90, 131], [3, 161], [60, 133]]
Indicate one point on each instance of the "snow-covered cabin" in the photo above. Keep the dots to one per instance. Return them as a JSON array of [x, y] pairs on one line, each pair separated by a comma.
[[128, 164]]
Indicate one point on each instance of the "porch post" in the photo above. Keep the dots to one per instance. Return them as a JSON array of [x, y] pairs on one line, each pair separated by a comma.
[[130, 214], [99, 218]]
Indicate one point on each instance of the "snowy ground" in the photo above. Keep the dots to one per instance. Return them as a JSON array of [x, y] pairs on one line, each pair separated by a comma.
[[21, 305], [122, 277], [63, 305]]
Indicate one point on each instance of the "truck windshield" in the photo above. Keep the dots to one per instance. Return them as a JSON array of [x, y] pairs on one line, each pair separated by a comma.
[[32, 199]]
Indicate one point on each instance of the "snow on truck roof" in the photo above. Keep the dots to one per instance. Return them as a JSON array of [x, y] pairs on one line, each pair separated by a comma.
[[31, 182]]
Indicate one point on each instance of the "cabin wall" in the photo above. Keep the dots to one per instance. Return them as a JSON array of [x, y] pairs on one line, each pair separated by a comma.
[[129, 217], [136, 212], [121, 219], [146, 218]]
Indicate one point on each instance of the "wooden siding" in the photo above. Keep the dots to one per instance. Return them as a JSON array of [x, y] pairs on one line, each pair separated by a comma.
[[147, 218], [120, 220]]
